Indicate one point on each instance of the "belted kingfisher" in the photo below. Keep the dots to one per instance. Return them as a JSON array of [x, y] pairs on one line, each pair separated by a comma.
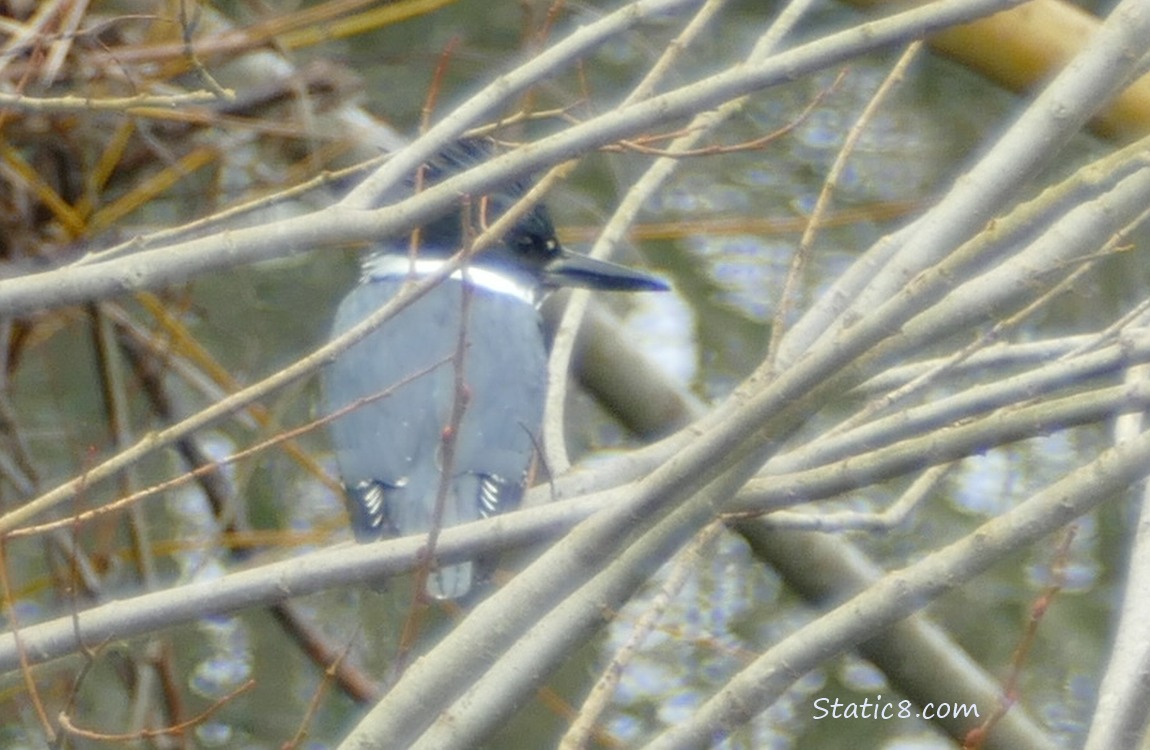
[[390, 449]]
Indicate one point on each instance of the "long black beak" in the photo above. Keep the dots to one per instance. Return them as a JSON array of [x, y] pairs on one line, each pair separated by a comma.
[[572, 269]]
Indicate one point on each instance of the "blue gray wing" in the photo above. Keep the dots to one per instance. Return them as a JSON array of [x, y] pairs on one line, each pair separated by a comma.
[[389, 448]]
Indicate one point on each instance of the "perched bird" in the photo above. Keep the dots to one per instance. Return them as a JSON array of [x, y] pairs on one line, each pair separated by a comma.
[[391, 449]]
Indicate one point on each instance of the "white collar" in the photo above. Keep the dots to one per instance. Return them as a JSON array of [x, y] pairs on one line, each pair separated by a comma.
[[390, 266]]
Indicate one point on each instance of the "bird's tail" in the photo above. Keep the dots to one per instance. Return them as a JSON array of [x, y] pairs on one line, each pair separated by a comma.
[[450, 581]]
